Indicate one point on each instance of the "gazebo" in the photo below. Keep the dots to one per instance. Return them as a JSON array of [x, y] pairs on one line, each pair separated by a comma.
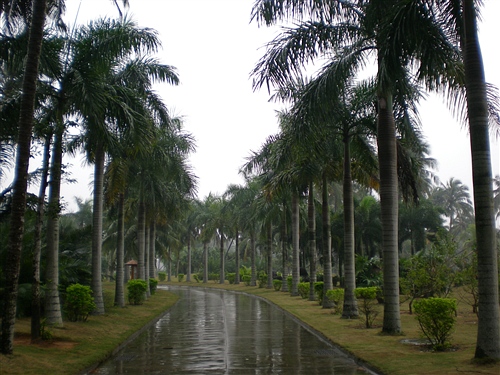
[[133, 265]]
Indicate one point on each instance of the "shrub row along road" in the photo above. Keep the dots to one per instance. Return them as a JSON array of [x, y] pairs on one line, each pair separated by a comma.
[[219, 332]]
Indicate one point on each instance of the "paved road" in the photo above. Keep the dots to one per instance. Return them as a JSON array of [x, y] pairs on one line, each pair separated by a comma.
[[216, 332]]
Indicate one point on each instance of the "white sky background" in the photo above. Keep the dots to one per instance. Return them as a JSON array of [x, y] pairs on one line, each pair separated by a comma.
[[214, 48]]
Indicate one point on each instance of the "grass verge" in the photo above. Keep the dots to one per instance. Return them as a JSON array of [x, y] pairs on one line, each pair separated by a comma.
[[387, 354], [79, 345]]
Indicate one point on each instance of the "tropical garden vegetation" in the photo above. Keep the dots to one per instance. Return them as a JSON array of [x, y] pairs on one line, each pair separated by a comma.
[[348, 158]]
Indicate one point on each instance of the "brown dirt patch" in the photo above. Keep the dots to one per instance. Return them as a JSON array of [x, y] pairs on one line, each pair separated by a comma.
[[25, 339]]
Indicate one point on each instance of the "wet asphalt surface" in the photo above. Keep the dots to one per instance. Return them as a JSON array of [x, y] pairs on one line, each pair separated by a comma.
[[212, 331]]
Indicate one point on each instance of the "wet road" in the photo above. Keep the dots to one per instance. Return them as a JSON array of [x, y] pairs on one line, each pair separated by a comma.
[[216, 332]]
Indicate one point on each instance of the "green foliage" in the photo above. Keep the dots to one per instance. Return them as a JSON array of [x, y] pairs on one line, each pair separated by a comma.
[[78, 303], [303, 290], [197, 277], [262, 279], [245, 271], [45, 333], [214, 277], [367, 300], [180, 277], [436, 317], [246, 279], [277, 284], [337, 297], [153, 284], [231, 277], [318, 290], [162, 276], [289, 282], [368, 271], [136, 291]]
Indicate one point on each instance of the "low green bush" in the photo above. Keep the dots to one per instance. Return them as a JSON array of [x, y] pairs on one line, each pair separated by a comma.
[[262, 279], [318, 290], [180, 277], [304, 290], [197, 277], [153, 284], [289, 282], [337, 297], [231, 277], [79, 302], [436, 317], [246, 279], [214, 277], [367, 299], [277, 284], [162, 276], [136, 291]]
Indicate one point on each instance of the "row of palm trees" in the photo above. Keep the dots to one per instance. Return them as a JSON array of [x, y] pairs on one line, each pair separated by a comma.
[[98, 79], [417, 45]]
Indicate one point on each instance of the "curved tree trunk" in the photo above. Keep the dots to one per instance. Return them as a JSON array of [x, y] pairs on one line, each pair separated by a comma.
[[327, 245], [13, 258], [97, 213], [37, 251], [295, 243], [52, 299], [311, 224], [120, 255], [350, 309], [488, 328], [387, 156]]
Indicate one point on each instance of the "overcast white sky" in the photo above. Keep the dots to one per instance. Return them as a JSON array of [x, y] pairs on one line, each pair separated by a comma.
[[214, 48]]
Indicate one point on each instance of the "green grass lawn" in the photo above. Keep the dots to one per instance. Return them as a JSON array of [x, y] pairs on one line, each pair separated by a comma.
[[79, 345]]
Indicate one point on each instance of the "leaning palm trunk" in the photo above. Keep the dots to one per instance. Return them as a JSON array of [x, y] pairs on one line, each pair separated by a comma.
[[13, 258], [350, 309], [96, 283], [52, 300], [488, 329], [386, 139], [120, 254], [327, 245], [35, 286], [311, 224], [295, 243]]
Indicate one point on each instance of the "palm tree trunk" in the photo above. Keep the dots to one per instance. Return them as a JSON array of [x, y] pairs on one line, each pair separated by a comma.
[[96, 283], [205, 262], [13, 257], [295, 243], [141, 228], [253, 279], [237, 257], [386, 140], [269, 255], [311, 226], [52, 299], [146, 257], [120, 254], [488, 327], [222, 276], [327, 244], [284, 242], [350, 309], [188, 273], [152, 249], [37, 251]]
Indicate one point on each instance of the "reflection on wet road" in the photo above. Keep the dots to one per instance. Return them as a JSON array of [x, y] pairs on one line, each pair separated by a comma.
[[216, 332]]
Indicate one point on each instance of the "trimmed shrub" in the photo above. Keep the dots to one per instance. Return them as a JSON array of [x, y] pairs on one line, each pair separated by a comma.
[[277, 284], [231, 277], [337, 297], [262, 279], [153, 284], [162, 276], [304, 290], [436, 317], [180, 277], [79, 302], [368, 298], [136, 291]]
